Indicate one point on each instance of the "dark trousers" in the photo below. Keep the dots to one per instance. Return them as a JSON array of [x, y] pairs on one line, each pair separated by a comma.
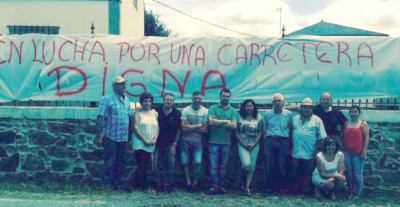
[[114, 161], [143, 158], [301, 173], [276, 150], [164, 166]]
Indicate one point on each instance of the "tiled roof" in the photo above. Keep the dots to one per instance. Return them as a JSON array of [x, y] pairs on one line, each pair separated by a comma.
[[328, 29]]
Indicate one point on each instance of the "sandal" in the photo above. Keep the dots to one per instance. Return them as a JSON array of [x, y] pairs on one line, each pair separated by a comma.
[[350, 197], [333, 196], [247, 192], [318, 194]]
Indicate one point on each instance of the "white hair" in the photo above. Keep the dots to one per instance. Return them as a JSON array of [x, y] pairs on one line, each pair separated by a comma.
[[277, 95]]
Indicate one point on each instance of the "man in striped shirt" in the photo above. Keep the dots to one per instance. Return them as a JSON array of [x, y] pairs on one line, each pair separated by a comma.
[[277, 124], [112, 125]]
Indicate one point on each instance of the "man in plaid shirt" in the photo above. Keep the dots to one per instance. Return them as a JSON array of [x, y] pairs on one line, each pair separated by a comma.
[[112, 125]]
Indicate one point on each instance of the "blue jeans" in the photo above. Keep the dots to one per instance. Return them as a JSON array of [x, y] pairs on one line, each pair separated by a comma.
[[197, 151], [354, 172], [164, 166], [219, 154], [113, 161]]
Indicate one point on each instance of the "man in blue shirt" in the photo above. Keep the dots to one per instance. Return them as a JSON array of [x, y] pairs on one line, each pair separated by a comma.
[[113, 119], [277, 129]]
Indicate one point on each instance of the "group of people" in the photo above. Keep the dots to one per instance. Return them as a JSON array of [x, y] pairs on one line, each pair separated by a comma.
[[322, 149]]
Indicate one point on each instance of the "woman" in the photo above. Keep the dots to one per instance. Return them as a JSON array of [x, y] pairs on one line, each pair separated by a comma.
[[355, 142], [144, 137], [329, 173], [248, 132]]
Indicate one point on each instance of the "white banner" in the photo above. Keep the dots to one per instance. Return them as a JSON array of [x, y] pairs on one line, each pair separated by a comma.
[[43, 67]]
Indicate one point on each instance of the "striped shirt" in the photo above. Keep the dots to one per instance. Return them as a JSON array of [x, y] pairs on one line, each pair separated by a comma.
[[277, 124], [115, 112]]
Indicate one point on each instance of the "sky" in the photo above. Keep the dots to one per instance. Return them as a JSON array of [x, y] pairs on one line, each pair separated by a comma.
[[263, 17]]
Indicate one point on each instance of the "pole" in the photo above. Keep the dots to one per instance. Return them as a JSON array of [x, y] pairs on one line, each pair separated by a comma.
[[280, 21]]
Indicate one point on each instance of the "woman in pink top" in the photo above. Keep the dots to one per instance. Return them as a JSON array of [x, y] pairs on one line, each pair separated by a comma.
[[355, 142]]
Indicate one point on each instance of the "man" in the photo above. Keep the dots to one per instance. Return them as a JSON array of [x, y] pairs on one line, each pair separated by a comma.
[[222, 120], [194, 123], [308, 131], [333, 119], [112, 125], [169, 122], [277, 129]]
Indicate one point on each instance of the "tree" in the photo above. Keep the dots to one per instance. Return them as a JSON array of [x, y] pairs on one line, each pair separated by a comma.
[[153, 26]]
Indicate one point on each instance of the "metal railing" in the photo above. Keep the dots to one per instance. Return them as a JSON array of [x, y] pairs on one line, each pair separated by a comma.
[[366, 104], [25, 29], [51, 103]]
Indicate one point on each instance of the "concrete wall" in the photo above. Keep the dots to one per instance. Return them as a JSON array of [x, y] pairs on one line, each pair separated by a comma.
[[132, 18], [73, 17], [56, 144]]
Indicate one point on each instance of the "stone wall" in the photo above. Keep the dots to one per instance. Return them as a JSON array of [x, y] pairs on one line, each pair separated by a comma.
[[42, 145], [382, 168], [55, 150]]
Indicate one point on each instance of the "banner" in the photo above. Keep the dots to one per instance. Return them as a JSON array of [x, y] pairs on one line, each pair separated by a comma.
[[81, 68]]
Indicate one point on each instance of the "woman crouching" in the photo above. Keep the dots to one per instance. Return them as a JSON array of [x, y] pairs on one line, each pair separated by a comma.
[[328, 176]]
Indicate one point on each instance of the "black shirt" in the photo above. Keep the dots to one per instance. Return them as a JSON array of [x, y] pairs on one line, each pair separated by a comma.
[[330, 118], [169, 125]]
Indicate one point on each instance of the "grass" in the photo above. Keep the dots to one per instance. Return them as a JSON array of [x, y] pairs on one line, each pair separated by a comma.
[[69, 195]]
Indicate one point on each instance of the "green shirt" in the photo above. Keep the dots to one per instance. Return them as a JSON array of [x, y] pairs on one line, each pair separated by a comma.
[[221, 135]]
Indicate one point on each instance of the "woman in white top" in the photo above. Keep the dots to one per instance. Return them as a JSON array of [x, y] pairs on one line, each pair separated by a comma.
[[329, 173], [145, 133]]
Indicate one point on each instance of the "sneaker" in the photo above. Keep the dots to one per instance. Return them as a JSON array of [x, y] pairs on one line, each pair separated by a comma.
[[195, 187], [159, 188], [123, 189], [318, 194], [283, 191], [140, 189], [188, 188], [167, 190], [212, 191], [117, 188]]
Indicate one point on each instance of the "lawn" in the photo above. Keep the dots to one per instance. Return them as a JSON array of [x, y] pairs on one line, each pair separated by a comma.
[[33, 195]]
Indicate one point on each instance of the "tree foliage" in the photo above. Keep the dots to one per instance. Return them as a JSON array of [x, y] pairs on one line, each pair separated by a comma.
[[153, 26]]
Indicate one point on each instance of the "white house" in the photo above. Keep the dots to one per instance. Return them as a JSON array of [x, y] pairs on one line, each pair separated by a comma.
[[123, 17]]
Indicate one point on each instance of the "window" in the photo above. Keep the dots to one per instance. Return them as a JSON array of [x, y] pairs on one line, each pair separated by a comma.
[[14, 29]]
